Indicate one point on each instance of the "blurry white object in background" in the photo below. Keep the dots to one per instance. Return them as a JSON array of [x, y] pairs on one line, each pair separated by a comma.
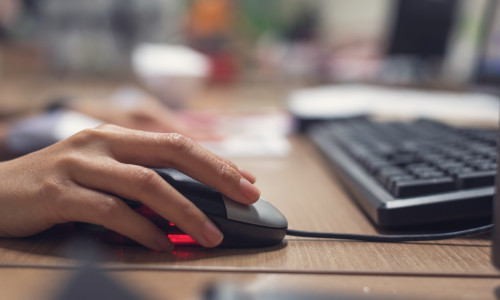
[[232, 147], [173, 73], [257, 134], [357, 99]]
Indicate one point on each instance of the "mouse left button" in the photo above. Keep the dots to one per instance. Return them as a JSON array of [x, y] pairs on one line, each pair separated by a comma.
[[261, 213]]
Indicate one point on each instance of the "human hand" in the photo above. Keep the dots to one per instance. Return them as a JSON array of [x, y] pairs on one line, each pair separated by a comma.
[[84, 177], [148, 114]]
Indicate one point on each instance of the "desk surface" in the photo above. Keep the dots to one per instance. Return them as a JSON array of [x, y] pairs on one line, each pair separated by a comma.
[[302, 186], [24, 284]]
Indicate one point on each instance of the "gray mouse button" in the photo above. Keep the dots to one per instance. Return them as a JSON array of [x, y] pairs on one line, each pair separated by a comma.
[[260, 213]]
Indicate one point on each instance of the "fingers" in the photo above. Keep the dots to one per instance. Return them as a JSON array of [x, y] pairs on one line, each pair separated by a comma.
[[141, 184], [248, 176], [102, 209], [118, 171], [170, 150]]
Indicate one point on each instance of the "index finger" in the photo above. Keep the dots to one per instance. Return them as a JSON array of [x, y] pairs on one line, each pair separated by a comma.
[[173, 150]]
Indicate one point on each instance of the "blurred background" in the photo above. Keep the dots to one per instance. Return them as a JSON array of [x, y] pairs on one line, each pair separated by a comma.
[[251, 53], [417, 42]]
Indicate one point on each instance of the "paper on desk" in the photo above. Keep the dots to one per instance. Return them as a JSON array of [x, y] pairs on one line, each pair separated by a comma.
[[255, 134], [261, 134], [352, 100]]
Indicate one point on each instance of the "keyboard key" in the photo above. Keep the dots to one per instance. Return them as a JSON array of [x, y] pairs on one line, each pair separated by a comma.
[[430, 174], [458, 170], [476, 179], [450, 165], [386, 173], [418, 187], [415, 159], [404, 159], [419, 166], [487, 167], [391, 180], [374, 165]]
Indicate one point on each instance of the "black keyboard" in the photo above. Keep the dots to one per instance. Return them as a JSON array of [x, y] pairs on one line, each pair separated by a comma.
[[415, 173]]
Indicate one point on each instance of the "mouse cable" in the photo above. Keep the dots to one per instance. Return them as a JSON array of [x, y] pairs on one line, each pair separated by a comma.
[[392, 238]]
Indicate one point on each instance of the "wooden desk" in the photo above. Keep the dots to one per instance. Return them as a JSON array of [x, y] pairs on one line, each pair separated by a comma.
[[28, 284], [303, 188]]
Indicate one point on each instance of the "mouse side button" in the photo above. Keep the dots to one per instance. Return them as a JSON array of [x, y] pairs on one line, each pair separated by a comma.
[[260, 213]]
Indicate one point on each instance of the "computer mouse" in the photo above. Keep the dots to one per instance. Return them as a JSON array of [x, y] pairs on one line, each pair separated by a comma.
[[246, 226]]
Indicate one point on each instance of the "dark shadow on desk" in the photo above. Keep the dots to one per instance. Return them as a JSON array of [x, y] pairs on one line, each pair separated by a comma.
[[56, 243], [46, 244]]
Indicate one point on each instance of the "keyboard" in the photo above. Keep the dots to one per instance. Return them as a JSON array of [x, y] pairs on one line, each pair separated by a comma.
[[412, 173]]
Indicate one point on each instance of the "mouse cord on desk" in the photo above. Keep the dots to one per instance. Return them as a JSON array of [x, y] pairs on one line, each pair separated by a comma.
[[392, 238]]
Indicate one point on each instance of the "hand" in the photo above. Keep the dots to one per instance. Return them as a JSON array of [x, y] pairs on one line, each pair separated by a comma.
[[84, 177], [148, 114]]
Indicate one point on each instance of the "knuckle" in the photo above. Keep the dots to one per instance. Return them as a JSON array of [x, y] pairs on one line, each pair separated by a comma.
[[86, 136], [53, 188], [144, 179], [72, 160], [226, 172], [179, 142], [99, 133], [107, 127], [227, 161], [91, 133], [107, 209]]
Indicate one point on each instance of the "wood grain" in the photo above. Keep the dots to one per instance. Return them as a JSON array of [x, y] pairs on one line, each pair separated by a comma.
[[28, 284], [304, 190], [300, 185]]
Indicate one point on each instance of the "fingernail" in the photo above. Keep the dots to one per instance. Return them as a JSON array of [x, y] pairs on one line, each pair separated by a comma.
[[249, 190], [212, 234], [164, 244]]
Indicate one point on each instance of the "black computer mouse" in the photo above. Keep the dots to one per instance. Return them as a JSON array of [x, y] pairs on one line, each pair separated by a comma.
[[256, 225]]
